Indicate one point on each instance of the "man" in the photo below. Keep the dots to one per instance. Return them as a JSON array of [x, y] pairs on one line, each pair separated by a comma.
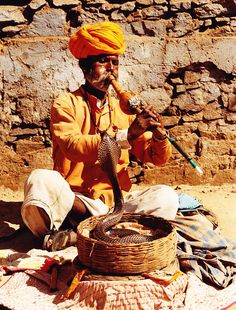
[[78, 187]]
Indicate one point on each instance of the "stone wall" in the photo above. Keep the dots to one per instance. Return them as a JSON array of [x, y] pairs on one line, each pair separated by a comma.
[[181, 57]]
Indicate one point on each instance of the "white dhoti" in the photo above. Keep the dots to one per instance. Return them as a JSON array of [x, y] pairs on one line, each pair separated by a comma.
[[48, 190]]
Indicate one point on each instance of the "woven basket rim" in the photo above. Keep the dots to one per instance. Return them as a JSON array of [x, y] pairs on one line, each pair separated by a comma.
[[141, 215]]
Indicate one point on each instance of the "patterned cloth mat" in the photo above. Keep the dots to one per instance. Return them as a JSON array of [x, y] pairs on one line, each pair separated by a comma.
[[209, 281], [24, 291], [144, 294]]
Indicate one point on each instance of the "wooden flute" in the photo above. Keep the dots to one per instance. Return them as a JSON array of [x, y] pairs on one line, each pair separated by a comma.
[[133, 104]]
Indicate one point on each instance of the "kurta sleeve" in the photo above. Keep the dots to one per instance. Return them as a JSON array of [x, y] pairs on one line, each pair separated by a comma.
[[147, 150]]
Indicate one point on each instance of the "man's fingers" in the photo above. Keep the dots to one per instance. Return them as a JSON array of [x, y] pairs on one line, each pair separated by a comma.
[[155, 123]]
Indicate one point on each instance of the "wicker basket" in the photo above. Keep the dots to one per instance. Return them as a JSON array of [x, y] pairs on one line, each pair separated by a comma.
[[125, 259]]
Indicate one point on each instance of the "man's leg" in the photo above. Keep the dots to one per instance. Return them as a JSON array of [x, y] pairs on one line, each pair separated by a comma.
[[49, 201], [158, 200], [47, 198], [37, 220], [78, 213]]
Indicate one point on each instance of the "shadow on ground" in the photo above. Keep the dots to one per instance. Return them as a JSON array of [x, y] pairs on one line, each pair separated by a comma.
[[13, 234]]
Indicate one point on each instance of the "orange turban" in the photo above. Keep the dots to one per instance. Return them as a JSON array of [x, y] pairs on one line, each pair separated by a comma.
[[96, 39]]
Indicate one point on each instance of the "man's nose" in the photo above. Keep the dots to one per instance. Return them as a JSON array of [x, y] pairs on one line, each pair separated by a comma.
[[110, 65]]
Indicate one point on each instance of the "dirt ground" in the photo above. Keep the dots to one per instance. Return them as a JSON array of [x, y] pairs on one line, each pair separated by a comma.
[[220, 199]]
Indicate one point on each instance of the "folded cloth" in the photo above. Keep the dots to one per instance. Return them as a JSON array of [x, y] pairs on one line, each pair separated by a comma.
[[33, 259], [187, 203], [203, 251]]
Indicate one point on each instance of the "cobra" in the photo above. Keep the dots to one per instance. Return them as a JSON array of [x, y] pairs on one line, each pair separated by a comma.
[[108, 156]]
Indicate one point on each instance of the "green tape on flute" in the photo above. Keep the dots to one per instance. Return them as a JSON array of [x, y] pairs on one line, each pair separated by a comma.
[[185, 155]]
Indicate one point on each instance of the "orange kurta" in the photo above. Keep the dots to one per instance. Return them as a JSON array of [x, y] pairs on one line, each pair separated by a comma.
[[75, 145]]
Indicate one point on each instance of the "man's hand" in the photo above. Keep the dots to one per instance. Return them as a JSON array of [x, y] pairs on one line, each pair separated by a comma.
[[148, 119], [112, 131]]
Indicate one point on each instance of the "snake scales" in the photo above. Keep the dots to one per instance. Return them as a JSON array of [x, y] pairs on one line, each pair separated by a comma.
[[108, 156]]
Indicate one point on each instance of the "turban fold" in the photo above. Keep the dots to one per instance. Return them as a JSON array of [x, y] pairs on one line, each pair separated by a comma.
[[96, 39]]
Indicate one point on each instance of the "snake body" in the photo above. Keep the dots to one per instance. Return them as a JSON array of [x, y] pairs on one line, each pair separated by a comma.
[[108, 156]]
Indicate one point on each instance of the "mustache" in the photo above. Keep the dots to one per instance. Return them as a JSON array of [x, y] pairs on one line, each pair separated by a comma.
[[104, 79]]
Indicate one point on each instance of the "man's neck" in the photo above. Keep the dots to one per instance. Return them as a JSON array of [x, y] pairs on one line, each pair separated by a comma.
[[94, 91]]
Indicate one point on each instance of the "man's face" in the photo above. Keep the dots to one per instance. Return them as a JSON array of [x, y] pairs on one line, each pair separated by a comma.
[[100, 68]]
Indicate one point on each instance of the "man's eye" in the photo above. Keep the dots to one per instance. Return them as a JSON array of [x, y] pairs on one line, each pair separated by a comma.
[[103, 60]]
